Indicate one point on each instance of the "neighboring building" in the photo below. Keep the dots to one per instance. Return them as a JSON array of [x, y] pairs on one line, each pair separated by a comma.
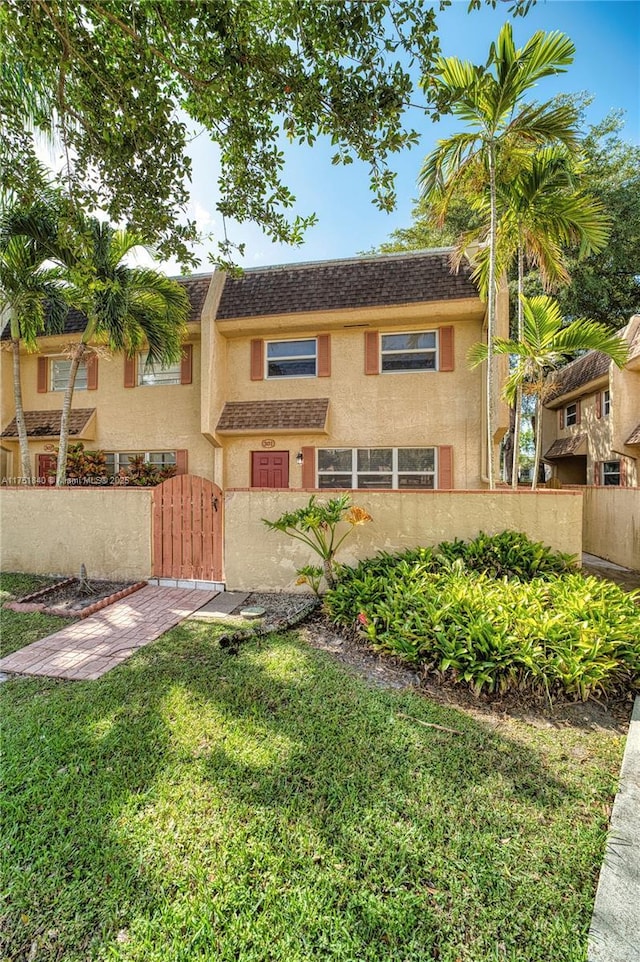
[[591, 421], [348, 373]]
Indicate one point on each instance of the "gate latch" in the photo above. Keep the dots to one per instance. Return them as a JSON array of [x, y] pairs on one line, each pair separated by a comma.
[[214, 502]]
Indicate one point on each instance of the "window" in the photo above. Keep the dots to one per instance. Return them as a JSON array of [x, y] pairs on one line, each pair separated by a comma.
[[611, 473], [292, 358], [606, 403], [118, 461], [59, 374], [571, 415], [409, 352], [152, 374], [376, 468]]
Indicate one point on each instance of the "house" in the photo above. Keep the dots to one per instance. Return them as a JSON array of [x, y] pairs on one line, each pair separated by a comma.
[[591, 418], [334, 374]]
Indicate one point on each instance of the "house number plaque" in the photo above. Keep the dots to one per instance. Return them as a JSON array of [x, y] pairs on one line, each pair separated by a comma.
[[268, 443]]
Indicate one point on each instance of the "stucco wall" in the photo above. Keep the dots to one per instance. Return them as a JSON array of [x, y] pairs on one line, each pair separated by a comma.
[[612, 524], [424, 409], [55, 530], [256, 558], [145, 418]]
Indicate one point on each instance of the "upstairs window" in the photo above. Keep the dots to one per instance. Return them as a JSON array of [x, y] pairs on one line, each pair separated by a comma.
[[417, 351], [571, 415], [155, 374], [292, 358], [59, 374], [606, 402]]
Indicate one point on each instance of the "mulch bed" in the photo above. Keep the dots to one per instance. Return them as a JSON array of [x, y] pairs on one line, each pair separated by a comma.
[[72, 599]]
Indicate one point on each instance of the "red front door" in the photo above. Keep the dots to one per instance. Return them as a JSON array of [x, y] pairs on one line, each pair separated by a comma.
[[47, 467], [269, 469]]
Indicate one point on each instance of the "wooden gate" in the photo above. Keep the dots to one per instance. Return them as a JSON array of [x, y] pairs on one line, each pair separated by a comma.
[[187, 529]]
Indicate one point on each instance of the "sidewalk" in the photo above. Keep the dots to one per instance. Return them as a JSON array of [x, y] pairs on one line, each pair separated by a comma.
[[87, 649]]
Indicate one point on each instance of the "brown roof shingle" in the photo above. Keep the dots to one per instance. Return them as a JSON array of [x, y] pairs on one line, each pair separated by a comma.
[[384, 280], [587, 368], [565, 447], [634, 437], [46, 424], [300, 414]]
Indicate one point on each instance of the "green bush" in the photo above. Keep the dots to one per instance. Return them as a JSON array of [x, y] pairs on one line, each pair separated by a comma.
[[551, 633]]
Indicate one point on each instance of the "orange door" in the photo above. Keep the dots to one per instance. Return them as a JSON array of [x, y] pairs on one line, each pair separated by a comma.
[[269, 469]]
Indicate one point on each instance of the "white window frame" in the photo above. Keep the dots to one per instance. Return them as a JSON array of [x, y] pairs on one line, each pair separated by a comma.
[[606, 402], [147, 378], [121, 459], [411, 350], [294, 357], [394, 472], [81, 382], [574, 415], [605, 474]]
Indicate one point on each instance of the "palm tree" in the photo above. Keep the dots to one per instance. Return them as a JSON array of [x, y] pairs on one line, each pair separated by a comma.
[[126, 309], [542, 211], [545, 345], [502, 134], [31, 293]]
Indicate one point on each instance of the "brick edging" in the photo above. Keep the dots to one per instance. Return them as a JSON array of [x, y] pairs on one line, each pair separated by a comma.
[[28, 606]]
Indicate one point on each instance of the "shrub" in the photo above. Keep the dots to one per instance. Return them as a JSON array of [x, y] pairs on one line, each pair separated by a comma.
[[558, 633]]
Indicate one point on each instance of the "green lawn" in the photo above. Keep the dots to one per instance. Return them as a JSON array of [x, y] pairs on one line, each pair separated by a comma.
[[19, 630], [191, 806]]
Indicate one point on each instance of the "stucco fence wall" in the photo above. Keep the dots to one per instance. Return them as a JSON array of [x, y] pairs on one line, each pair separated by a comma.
[[55, 530], [612, 524], [258, 559]]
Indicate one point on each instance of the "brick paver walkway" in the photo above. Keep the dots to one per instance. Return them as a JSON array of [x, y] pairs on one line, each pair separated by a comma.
[[91, 647]]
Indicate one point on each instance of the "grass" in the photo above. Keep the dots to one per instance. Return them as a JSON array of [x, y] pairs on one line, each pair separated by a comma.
[[194, 806], [19, 630]]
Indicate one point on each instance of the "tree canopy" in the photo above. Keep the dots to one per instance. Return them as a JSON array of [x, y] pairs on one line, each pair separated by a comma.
[[121, 87]]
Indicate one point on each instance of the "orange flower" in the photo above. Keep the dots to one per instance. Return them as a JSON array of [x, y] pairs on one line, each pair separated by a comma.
[[357, 515]]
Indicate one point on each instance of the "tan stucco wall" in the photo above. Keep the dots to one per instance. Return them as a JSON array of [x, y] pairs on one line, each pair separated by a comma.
[[8, 463], [145, 418], [55, 530], [385, 410], [612, 524], [256, 558]]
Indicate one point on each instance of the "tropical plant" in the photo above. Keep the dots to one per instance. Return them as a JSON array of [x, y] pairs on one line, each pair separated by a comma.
[[31, 293], [542, 211], [316, 524], [127, 308], [545, 345], [502, 134]]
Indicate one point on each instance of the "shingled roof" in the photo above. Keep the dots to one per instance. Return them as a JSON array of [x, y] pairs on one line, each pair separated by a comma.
[[565, 447], [587, 368], [634, 437], [196, 287], [383, 280], [299, 414], [46, 424]]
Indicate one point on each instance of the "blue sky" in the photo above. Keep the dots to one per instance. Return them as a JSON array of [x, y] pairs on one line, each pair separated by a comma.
[[606, 34]]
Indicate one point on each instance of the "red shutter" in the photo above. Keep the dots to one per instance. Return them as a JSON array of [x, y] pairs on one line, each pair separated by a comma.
[[371, 352], [560, 419], [182, 458], [324, 355], [445, 467], [446, 349], [623, 473], [130, 371], [578, 412], [597, 472], [308, 467], [43, 370], [257, 360], [92, 372], [599, 404], [186, 364]]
